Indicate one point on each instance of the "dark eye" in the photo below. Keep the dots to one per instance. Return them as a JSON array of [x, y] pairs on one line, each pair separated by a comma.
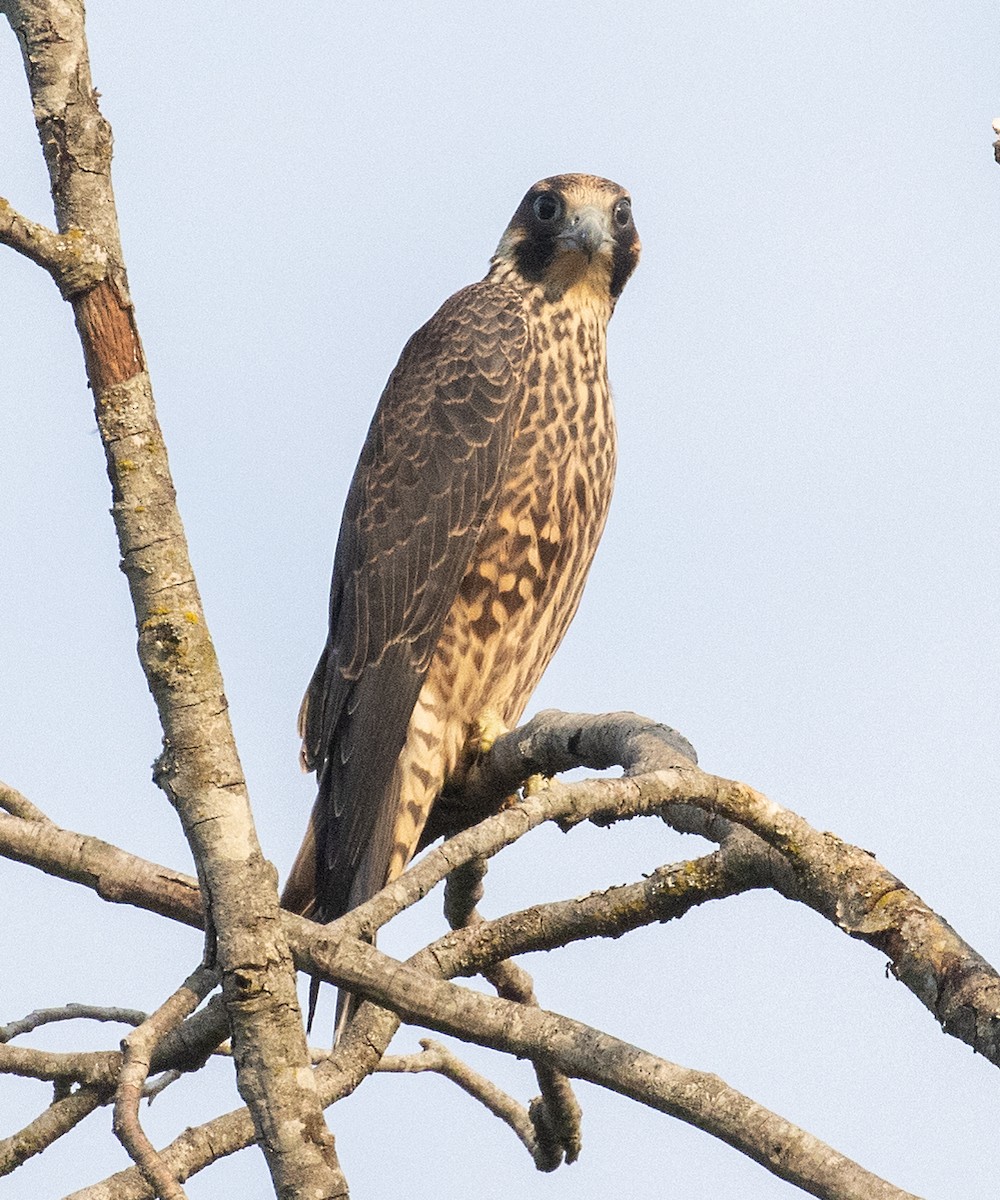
[[547, 207], [623, 213]]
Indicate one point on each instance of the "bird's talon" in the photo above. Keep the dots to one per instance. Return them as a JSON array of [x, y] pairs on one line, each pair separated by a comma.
[[488, 728], [534, 785]]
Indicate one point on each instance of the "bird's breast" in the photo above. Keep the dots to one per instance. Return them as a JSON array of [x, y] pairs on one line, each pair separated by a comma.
[[527, 573]]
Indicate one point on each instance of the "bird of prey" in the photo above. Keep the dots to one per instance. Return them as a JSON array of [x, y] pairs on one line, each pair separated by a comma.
[[470, 525]]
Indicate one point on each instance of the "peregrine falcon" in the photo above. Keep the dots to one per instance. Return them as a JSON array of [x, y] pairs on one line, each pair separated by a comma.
[[470, 525]]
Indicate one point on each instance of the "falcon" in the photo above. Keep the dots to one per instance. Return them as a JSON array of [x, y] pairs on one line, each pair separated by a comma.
[[469, 528]]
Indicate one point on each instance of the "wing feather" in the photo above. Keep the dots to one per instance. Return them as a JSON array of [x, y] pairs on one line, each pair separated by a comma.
[[428, 476]]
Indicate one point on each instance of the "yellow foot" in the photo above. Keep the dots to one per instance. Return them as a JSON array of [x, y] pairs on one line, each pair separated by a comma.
[[534, 785], [486, 731]]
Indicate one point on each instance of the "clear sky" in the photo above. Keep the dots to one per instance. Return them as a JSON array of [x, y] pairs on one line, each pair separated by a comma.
[[800, 571]]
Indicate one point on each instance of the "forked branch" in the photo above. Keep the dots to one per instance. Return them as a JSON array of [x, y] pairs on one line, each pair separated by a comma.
[[75, 261], [199, 769]]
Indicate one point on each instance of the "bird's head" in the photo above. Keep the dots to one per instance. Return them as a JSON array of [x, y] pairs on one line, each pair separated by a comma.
[[571, 231]]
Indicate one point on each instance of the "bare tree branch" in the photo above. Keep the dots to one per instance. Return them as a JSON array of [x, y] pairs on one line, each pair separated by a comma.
[[62, 1115], [664, 895], [623, 899], [199, 768], [355, 1057], [373, 1027], [181, 1050], [19, 806], [97, 1067], [137, 1054], [841, 882], [555, 1115], [438, 1058], [115, 875], [367, 1038], [74, 261], [70, 1012], [194, 1150], [556, 1118], [160, 1084], [699, 1098]]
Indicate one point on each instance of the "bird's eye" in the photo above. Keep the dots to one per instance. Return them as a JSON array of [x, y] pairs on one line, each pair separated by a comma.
[[623, 213], [547, 207]]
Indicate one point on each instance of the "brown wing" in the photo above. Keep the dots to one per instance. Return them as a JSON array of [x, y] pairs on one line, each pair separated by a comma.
[[428, 475]]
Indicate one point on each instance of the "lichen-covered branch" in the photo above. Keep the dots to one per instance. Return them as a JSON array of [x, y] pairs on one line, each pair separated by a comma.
[[774, 848], [199, 768], [843, 883]]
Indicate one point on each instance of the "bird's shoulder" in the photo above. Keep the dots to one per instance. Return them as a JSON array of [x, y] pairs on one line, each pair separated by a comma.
[[482, 328], [458, 379]]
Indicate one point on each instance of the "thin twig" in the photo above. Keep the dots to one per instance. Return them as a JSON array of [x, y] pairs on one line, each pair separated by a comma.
[[70, 1012], [183, 1050], [153, 1088], [555, 1115], [137, 1054], [438, 1058]]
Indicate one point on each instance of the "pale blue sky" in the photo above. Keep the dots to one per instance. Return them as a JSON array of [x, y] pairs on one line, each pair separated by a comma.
[[800, 571]]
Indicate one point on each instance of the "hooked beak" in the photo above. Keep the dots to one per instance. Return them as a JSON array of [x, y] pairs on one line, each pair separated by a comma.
[[585, 231]]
